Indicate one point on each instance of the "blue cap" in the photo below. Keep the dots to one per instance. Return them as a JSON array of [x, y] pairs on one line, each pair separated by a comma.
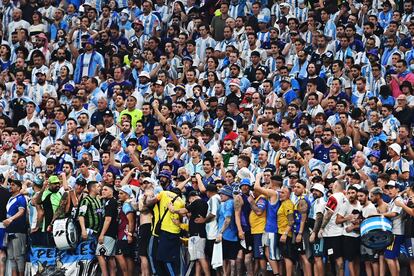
[[245, 181], [165, 173], [38, 181], [91, 41], [68, 87], [375, 153], [126, 189], [88, 137], [226, 190], [263, 19]]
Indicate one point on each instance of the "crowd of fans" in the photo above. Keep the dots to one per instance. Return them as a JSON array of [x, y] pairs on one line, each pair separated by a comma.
[[226, 138]]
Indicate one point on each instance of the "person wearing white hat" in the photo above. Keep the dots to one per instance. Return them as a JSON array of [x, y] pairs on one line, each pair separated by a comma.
[[315, 218], [398, 163], [394, 213]]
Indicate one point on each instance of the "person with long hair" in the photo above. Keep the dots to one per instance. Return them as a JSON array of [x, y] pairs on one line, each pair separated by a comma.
[[208, 83], [5, 54]]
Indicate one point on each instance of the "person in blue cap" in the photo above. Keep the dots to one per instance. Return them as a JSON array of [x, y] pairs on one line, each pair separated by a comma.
[[242, 211], [228, 230], [88, 147]]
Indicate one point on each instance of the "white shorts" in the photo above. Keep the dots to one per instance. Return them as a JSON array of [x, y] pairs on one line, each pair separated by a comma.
[[270, 240], [196, 247], [107, 248]]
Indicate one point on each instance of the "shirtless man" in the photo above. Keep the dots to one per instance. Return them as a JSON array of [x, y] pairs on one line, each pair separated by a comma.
[[145, 222], [376, 195]]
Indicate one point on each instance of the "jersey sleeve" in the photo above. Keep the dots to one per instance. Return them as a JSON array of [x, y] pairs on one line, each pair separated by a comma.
[[332, 204], [83, 207], [127, 208]]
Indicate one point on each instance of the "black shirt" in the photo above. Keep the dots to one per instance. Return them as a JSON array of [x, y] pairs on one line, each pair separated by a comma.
[[4, 197], [198, 208], [111, 210]]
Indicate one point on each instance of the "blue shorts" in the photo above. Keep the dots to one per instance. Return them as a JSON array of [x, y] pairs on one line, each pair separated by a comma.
[[3, 239], [317, 248], [258, 248], [393, 250], [409, 246]]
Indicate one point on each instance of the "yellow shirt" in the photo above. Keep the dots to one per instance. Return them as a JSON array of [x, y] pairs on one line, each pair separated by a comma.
[[136, 115], [164, 198], [258, 222], [285, 209]]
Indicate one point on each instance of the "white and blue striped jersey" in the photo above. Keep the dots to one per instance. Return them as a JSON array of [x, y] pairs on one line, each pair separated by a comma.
[[330, 29], [301, 14], [150, 22], [202, 44]]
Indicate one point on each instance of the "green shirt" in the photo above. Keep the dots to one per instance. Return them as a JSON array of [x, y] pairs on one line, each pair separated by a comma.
[[91, 209], [136, 115]]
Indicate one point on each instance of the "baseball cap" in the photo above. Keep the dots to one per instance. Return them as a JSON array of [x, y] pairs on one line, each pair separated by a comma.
[[144, 75], [164, 173], [38, 181], [245, 181], [88, 137], [91, 41], [53, 179], [68, 87], [376, 125], [126, 189], [226, 190], [108, 113], [391, 183], [285, 79]]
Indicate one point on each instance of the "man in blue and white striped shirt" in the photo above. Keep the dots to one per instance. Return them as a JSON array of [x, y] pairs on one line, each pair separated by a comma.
[[150, 21]]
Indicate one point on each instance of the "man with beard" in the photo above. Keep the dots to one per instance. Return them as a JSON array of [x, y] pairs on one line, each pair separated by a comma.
[[56, 66], [150, 21], [322, 151], [313, 75], [368, 256], [349, 217], [315, 220], [89, 62], [244, 83], [136, 40], [37, 90], [321, 51], [103, 141], [18, 103], [88, 147], [119, 40], [77, 108], [49, 198]]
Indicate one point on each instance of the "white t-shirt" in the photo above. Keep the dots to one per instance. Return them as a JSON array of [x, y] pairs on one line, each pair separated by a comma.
[[354, 210], [335, 204], [397, 223], [213, 208], [369, 210]]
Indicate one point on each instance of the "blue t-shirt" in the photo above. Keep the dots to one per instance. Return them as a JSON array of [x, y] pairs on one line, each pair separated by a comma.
[[13, 206], [227, 210], [322, 153]]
